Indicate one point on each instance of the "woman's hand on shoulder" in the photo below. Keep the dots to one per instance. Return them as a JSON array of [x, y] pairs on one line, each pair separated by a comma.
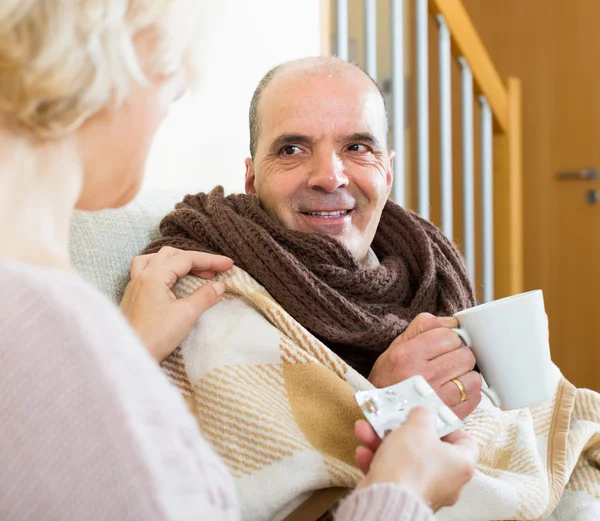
[[160, 319]]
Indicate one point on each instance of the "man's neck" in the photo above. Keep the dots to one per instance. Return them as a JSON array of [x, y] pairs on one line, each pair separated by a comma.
[[370, 260]]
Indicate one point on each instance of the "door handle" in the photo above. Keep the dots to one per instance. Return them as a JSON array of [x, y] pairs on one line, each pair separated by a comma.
[[593, 196], [587, 174]]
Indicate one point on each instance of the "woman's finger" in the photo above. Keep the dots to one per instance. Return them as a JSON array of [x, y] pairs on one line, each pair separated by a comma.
[[363, 458], [139, 264], [456, 436], [366, 435], [181, 265], [466, 446], [202, 299], [165, 253]]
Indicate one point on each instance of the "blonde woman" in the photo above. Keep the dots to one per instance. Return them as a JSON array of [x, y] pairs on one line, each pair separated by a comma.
[[90, 428]]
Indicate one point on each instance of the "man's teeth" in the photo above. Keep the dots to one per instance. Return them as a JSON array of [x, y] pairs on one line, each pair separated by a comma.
[[329, 214]]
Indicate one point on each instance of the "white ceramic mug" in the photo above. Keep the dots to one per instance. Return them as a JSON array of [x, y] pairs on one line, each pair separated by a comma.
[[510, 340]]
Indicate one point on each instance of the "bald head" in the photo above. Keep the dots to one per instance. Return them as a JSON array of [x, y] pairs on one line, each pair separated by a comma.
[[320, 161], [313, 67]]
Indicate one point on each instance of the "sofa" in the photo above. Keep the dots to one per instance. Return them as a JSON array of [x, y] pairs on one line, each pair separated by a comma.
[[102, 244]]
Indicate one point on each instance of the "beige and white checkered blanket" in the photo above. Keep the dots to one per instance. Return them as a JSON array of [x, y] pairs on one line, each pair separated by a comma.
[[278, 407]]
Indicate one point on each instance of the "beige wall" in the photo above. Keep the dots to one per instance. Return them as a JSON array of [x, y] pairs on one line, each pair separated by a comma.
[[204, 140]]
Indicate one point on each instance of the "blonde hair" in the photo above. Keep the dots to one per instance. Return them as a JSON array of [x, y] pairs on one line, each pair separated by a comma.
[[61, 61]]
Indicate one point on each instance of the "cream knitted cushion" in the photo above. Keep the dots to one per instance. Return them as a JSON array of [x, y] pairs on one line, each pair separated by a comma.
[[102, 244]]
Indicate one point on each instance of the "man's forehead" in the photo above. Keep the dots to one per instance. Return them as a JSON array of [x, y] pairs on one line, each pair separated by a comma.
[[321, 107]]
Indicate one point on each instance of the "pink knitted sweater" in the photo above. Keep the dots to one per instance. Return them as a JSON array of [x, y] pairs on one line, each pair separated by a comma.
[[91, 429]]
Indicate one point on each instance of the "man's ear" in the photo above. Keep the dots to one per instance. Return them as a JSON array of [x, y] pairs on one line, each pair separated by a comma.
[[389, 176], [250, 176]]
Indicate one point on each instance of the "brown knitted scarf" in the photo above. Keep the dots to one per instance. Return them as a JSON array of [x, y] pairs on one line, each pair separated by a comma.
[[357, 312]]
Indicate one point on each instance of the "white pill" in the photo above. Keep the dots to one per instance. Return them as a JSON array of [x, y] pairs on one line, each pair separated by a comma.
[[447, 415], [439, 424], [422, 387]]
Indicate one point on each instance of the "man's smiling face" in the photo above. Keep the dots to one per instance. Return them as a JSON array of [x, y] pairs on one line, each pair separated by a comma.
[[321, 163]]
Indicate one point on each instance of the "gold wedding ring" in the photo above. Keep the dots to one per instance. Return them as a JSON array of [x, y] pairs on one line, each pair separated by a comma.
[[461, 388]]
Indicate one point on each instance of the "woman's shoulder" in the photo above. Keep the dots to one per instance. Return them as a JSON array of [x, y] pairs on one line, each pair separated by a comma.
[[26, 285], [49, 303]]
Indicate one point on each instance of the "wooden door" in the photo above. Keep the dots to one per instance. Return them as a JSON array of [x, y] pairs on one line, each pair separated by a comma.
[[553, 46]]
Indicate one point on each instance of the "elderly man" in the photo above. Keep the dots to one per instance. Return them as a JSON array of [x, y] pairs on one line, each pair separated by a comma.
[[320, 165], [335, 289]]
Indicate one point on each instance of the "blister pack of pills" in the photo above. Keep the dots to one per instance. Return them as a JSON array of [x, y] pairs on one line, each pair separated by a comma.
[[386, 409]]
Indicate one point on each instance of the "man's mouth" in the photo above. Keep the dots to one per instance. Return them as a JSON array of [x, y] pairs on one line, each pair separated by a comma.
[[330, 215], [330, 222]]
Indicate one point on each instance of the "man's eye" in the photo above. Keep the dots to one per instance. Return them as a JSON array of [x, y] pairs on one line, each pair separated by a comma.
[[290, 150], [357, 147]]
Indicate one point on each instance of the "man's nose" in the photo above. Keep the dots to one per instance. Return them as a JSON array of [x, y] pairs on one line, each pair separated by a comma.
[[327, 173]]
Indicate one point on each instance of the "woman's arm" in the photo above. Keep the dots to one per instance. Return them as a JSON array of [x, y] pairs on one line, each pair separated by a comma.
[[89, 426], [383, 502]]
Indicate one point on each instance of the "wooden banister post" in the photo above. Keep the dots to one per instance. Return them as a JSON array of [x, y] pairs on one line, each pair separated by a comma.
[[467, 43]]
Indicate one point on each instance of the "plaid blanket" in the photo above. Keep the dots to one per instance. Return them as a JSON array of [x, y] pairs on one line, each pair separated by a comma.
[[278, 406]]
